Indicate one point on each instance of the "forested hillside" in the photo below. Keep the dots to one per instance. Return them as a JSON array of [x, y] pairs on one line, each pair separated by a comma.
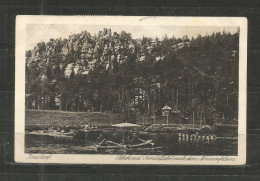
[[197, 77]]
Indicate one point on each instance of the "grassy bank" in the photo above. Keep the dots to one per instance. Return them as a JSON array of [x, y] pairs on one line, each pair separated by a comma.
[[44, 119], [63, 118]]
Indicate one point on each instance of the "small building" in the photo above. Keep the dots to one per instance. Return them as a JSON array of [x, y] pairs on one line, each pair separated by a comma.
[[166, 110]]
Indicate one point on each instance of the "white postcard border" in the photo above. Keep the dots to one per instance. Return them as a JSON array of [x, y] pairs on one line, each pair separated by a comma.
[[21, 157]]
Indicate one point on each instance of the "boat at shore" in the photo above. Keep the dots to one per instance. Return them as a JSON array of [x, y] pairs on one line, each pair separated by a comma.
[[129, 139], [68, 135]]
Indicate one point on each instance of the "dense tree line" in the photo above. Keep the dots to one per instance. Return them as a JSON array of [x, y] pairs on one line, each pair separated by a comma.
[[197, 77]]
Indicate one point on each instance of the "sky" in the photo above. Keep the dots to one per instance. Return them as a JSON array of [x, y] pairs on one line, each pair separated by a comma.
[[36, 33]]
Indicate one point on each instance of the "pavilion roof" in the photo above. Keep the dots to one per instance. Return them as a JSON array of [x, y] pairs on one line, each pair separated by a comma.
[[125, 125], [166, 108]]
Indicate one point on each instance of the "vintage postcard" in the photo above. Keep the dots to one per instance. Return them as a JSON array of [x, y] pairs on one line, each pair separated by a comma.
[[130, 90]]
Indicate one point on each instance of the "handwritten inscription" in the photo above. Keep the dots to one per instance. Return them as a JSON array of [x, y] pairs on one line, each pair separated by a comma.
[[39, 157], [174, 158]]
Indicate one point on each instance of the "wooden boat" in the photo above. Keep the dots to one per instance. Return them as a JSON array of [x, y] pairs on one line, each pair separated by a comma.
[[107, 145], [126, 144], [112, 145], [52, 134]]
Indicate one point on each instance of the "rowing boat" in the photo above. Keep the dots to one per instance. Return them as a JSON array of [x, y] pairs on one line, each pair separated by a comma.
[[126, 143]]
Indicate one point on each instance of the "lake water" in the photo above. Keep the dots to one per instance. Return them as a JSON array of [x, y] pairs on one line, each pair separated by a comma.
[[164, 144]]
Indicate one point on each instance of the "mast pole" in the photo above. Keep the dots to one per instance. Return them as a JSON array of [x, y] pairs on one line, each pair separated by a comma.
[[177, 99], [153, 106], [193, 102], [172, 96]]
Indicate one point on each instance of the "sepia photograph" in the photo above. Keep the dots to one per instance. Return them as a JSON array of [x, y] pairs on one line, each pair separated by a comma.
[[130, 90]]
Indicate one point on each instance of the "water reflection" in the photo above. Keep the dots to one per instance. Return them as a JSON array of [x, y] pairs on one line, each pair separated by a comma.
[[164, 144]]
